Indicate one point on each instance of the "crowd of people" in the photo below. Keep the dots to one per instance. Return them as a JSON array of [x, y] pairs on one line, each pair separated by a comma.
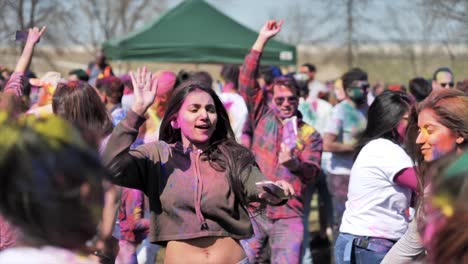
[[98, 168]]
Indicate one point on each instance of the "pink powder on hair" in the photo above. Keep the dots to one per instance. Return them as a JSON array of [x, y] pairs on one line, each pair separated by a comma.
[[166, 81]]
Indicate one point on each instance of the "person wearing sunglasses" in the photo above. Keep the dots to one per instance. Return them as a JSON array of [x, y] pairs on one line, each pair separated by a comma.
[[443, 78], [285, 148]]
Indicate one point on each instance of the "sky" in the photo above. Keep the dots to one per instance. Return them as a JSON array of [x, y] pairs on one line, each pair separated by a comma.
[[253, 13], [247, 12]]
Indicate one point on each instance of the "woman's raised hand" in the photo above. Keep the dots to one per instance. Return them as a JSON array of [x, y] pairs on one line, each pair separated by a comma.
[[144, 89]]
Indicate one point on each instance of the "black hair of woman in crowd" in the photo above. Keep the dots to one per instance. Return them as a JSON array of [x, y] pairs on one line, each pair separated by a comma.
[[383, 118], [420, 88]]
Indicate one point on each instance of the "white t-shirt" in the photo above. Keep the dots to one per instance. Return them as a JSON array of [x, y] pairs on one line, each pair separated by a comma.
[[315, 112], [237, 111], [346, 122], [376, 204], [44, 255], [315, 87]]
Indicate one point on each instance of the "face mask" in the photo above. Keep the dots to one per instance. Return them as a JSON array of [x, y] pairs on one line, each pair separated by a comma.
[[357, 95], [301, 77]]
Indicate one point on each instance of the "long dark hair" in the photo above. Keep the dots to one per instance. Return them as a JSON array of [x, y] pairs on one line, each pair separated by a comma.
[[79, 103], [383, 117], [224, 153], [51, 184]]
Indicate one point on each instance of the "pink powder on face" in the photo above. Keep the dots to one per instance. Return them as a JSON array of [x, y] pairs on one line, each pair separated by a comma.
[[197, 111], [402, 128], [435, 139]]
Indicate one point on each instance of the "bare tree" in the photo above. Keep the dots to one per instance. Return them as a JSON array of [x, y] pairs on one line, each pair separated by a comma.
[[23, 14], [86, 23], [107, 19], [410, 28], [350, 15], [304, 23], [349, 30], [452, 18], [453, 9]]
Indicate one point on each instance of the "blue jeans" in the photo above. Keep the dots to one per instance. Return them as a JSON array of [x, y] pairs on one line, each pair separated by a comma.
[[147, 252], [348, 253], [282, 236], [338, 188]]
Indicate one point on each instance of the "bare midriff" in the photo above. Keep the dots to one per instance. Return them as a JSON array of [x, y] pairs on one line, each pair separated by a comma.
[[204, 250]]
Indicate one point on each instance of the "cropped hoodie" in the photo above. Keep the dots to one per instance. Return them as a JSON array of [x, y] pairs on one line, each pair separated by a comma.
[[188, 197]]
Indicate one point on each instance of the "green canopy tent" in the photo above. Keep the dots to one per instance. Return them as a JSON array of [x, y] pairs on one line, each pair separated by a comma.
[[195, 32]]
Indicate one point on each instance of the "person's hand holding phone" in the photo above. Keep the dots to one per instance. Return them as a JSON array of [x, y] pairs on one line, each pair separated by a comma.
[[275, 192], [31, 36]]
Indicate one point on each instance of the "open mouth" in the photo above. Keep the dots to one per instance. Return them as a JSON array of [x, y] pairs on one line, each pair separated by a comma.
[[203, 127]]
